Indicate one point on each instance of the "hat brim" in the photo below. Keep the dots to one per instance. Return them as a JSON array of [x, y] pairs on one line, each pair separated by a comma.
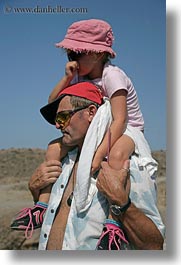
[[78, 46], [49, 111]]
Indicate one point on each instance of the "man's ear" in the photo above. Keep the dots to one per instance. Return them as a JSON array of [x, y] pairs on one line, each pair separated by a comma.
[[92, 109]]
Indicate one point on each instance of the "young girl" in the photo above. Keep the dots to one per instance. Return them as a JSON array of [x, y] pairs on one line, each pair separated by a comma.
[[88, 45]]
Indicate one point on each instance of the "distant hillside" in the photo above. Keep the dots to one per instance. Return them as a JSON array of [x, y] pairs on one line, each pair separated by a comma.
[[17, 164]]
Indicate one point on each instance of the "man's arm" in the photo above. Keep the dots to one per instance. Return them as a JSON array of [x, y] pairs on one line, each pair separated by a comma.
[[141, 231]]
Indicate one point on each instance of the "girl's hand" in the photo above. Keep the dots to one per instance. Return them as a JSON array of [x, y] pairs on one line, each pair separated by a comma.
[[71, 69]]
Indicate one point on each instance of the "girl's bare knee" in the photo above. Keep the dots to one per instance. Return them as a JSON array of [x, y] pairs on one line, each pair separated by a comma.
[[118, 155]]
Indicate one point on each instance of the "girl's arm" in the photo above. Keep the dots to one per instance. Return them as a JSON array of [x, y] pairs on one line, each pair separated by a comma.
[[70, 71], [118, 125]]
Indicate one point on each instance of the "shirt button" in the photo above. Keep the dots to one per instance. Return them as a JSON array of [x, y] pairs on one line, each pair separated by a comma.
[[45, 235], [52, 210], [62, 186]]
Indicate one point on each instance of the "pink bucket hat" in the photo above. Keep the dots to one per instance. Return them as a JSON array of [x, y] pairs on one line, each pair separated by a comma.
[[89, 35]]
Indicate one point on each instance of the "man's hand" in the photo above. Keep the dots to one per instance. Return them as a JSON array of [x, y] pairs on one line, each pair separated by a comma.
[[47, 173], [114, 184]]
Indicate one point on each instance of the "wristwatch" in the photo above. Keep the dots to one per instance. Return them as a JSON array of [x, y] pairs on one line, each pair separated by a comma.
[[118, 210]]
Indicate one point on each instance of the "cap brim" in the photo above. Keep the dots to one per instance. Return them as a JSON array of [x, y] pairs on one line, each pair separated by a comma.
[[49, 111]]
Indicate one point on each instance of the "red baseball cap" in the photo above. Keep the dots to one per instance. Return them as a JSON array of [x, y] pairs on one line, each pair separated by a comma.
[[85, 90]]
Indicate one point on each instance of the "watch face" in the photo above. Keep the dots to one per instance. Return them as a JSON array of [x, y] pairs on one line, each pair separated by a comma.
[[115, 209]]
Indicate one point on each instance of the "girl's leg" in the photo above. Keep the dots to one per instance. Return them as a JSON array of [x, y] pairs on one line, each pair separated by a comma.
[[121, 151], [29, 219], [54, 152], [45, 194]]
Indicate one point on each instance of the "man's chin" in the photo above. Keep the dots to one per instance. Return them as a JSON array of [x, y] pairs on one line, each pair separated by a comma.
[[66, 141]]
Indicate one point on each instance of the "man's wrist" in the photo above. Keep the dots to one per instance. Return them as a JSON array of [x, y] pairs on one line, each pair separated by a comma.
[[120, 209]]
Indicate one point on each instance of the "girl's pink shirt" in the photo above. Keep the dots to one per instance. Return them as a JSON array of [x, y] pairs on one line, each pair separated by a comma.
[[114, 79]]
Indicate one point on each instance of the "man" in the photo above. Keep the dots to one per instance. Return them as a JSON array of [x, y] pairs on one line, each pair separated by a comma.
[[77, 210]]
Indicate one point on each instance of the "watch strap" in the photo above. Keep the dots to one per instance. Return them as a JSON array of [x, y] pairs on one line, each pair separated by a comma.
[[124, 207]]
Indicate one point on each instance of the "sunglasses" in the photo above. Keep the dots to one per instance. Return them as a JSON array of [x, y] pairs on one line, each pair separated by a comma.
[[63, 117], [74, 56]]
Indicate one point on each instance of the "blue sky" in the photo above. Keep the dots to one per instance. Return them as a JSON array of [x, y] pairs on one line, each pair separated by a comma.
[[30, 65]]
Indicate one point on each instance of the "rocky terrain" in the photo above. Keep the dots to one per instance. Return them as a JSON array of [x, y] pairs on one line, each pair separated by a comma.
[[16, 167]]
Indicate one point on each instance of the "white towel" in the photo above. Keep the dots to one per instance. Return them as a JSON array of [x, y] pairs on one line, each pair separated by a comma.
[[84, 191], [94, 136]]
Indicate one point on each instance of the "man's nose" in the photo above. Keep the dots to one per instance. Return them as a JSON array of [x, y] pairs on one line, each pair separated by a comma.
[[59, 125]]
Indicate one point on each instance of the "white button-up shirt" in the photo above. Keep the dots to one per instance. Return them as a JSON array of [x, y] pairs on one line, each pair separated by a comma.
[[84, 229]]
